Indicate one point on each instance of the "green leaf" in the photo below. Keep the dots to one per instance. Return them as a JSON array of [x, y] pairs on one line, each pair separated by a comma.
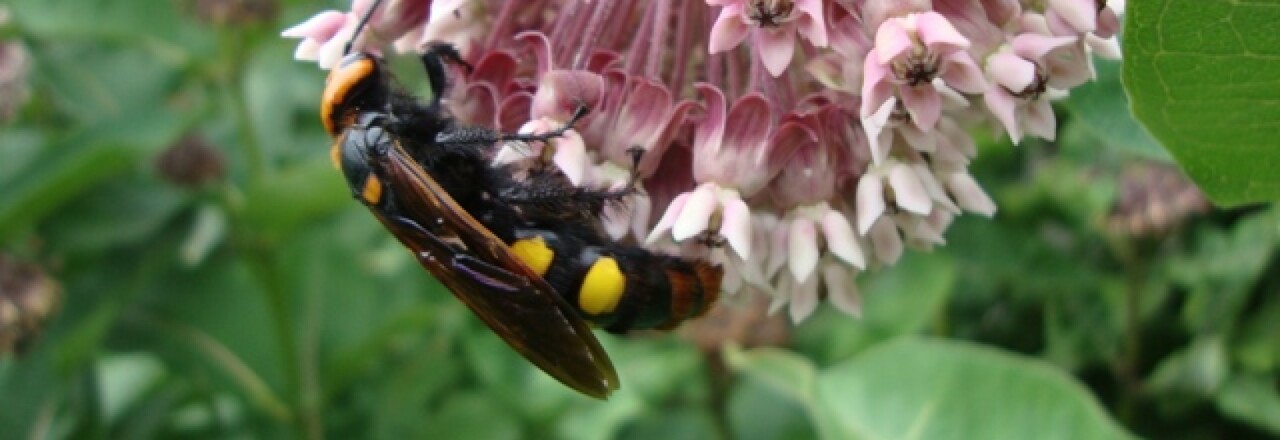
[[1201, 77], [783, 371], [125, 379], [760, 412], [1253, 400], [1200, 369], [305, 192], [1103, 108], [916, 388], [1222, 270]]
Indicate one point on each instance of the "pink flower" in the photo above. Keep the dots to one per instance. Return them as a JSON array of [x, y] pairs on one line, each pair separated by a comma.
[[325, 35], [1017, 94], [735, 153], [772, 24], [911, 53]]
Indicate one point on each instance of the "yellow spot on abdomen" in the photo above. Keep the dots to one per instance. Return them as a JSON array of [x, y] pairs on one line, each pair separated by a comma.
[[534, 253], [602, 288], [372, 192]]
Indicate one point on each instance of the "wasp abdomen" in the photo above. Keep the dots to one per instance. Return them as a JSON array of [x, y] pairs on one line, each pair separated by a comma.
[[615, 286]]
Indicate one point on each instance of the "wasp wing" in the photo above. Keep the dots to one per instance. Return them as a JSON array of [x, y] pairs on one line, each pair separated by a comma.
[[480, 270]]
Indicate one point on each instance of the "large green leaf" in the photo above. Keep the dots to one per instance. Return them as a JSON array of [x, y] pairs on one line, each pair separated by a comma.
[[930, 389], [1202, 77]]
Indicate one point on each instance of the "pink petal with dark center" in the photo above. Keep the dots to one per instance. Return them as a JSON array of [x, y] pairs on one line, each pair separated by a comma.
[[729, 31]]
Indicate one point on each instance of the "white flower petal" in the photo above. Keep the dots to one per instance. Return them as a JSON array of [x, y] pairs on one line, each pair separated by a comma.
[[735, 227], [934, 188], [804, 300], [969, 194], [802, 248], [841, 240], [909, 193], [668, 218], [885, 241], [842, 292], [870, 201], [696, 213]]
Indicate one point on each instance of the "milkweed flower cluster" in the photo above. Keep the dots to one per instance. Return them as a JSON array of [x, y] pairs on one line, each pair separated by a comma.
[[796, 142]]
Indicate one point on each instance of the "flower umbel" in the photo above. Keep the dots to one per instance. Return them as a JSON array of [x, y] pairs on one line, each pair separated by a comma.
[[797, 143]]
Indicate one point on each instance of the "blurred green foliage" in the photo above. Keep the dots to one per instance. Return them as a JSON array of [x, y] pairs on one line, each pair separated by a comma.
[[256, 300]]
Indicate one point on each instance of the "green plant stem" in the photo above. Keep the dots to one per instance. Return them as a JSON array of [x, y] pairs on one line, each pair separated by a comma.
[[1126, 369], [262, 263], [232, 82], [720, 381]]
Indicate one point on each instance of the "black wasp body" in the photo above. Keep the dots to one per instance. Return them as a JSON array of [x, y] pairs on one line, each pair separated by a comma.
[[522, 254]]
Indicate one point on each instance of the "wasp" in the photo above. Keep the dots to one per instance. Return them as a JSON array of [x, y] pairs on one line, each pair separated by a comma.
[[521, 254]]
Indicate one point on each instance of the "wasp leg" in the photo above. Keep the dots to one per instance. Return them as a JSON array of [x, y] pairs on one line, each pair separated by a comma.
[[433, 61], [479, 136], [549, 194]]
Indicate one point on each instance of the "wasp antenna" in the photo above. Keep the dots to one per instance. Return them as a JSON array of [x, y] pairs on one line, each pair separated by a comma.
[[360, 26]]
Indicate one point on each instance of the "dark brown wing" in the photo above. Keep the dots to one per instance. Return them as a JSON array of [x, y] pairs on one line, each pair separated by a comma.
[[480, 270]]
